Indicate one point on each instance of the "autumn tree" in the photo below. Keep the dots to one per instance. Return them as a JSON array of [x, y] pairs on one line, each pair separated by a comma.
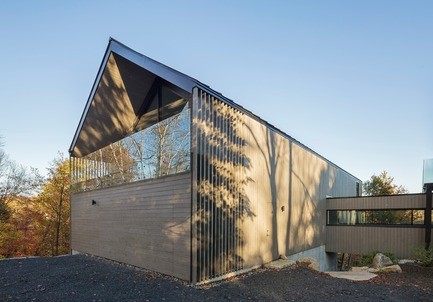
[[19, 233], [53, 202], [382, 185], [18, 185]]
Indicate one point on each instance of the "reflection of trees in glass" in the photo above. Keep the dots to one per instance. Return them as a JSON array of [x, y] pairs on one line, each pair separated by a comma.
[[418, 216], [391, 217], [164, 148], [110, 165], [161, 149]]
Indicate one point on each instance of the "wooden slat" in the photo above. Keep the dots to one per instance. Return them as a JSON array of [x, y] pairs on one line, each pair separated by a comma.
[[195, 174], [218, 255]]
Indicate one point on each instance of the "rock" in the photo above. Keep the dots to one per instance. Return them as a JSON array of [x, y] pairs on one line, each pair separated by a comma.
[[279, 264], [380, 260], [358, 269], [304, 261], [361, 276], [314, 265], [373, 270], [309, 262], [404, 261], [391, 269], [283, 257]]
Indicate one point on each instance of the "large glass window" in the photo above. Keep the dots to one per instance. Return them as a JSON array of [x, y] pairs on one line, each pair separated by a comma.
[[381, 217], [159, 145]]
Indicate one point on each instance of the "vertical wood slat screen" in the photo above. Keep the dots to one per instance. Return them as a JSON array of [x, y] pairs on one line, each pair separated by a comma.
[[86, 173], [220, 171]]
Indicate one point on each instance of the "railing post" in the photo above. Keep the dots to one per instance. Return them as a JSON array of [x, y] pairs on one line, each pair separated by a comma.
[[428, 209]]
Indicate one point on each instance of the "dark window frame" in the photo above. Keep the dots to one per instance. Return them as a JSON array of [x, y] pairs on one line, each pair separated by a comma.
[[378, 224]]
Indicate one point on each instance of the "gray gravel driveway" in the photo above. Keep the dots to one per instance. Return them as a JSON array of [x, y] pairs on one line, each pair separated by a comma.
[[85, 278]]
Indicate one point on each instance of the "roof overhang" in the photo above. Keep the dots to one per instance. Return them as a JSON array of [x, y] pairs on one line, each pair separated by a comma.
[[124, 79]]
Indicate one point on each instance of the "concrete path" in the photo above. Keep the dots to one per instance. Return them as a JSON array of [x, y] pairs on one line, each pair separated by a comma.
[[354, 276]]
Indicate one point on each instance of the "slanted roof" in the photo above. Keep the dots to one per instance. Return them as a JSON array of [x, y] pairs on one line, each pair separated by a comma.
[[121, 85], [120, 88]]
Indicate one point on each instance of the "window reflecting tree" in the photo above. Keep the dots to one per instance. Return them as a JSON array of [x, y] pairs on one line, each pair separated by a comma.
[[161, 149], [164, 148]]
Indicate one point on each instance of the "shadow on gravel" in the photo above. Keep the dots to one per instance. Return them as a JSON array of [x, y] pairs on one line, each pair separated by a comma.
[[84, 278]]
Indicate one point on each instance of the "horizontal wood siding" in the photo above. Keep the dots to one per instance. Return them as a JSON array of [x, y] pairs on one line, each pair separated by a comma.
[[363, 240], [406, 201], [146, 224], [356, 239]]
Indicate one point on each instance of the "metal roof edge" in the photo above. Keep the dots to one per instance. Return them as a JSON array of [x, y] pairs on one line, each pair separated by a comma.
[[171, 75], [91, 95]]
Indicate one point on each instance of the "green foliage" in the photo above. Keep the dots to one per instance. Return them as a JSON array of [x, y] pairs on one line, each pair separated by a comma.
[[424, 256], [367, 260], [391, 256], [382, 185]]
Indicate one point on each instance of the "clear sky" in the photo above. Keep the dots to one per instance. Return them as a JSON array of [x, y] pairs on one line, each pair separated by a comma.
[[350, 79]]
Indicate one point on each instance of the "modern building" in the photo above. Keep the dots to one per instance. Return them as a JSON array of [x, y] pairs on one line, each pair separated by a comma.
[[170, 175]]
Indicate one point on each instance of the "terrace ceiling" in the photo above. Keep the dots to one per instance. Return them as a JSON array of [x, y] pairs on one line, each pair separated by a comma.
[[119, 94]]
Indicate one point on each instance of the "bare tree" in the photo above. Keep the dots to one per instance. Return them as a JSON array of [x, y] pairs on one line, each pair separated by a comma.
[[163, 149], [15, 181]]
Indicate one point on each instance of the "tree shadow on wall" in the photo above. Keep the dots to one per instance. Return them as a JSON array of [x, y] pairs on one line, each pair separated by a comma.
[[222, 202], [299, 181]]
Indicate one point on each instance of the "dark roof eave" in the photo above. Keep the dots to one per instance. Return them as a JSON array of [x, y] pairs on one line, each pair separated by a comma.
[[173, 76]]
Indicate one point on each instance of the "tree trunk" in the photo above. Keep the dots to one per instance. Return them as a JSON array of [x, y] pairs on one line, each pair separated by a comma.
[[59, 217]]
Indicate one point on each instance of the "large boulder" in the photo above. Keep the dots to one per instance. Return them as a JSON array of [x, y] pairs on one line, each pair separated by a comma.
[[358, 269], [380, 261], [391, 269]]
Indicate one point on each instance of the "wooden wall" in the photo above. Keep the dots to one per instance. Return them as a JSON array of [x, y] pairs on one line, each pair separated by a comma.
[[279, 188], [145, 223], [400, 240], [362, 240], [404, 201], [287, 188]]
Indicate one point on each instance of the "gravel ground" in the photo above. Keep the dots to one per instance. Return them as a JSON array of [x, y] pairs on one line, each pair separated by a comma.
[[85, 278]]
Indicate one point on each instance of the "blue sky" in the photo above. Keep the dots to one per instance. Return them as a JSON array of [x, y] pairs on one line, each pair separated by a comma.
[[351, 80]]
